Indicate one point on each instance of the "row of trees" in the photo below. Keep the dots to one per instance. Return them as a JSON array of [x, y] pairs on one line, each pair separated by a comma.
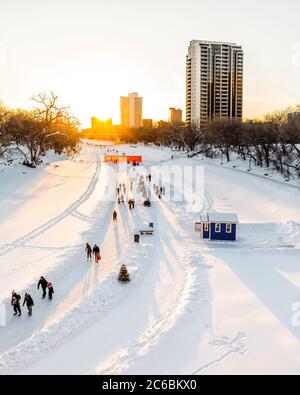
[[273, 142], [48, 125]]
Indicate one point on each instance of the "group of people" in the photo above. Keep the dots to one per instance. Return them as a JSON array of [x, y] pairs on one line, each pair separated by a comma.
[[131, 203], [95, 251], [121, 192], [159, 190], [16, 298]]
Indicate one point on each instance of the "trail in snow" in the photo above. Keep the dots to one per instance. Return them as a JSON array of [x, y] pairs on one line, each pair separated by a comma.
[[54, 221]]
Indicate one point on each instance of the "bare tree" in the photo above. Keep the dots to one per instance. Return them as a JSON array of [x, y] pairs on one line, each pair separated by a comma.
[[5, 137]]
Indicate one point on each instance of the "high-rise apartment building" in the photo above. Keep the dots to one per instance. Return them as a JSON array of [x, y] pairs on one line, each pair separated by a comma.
[[131, 111], [214, 81], [175, 115]]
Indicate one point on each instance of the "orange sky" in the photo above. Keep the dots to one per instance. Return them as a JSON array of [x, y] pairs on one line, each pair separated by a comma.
[[91, 52]]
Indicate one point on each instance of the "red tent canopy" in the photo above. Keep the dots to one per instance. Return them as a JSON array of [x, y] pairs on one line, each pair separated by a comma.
[[122, 158]]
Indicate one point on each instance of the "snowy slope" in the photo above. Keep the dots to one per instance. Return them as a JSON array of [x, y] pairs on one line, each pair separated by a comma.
[[192, 306]]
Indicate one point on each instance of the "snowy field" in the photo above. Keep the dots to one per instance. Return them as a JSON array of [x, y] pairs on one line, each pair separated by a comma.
[[192, 307]]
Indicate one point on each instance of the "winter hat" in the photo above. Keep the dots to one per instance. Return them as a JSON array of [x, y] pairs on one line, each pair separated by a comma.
[[49, 284]]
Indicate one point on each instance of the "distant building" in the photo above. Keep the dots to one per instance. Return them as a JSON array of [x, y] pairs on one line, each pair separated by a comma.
[[131, 107], [98, 125], [214, 81], [175, 115], [162, 124], [148, 123]]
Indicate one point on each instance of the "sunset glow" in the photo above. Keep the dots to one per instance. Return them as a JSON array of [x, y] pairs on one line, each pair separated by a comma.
[[91, 52]]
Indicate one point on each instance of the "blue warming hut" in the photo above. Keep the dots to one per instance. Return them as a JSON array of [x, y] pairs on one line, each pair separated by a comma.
[[219, 226]]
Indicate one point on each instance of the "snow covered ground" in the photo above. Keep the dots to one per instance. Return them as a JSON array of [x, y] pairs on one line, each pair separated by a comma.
[[191, 307]]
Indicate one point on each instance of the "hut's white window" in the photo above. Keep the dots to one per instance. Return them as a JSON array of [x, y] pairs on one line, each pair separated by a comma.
[[218, 228], [206, 228], [228, 228]]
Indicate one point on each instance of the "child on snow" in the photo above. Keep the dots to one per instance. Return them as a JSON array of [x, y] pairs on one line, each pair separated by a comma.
[[50, 290]]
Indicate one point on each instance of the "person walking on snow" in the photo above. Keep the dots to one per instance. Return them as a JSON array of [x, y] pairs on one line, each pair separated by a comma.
[[43, 283], [50, 290], [15, 302], [88, 250], [96, 252], [29, 303], [115, 216]]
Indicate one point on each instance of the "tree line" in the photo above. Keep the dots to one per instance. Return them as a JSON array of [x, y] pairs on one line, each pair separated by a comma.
[[273, 142], [47, 126]]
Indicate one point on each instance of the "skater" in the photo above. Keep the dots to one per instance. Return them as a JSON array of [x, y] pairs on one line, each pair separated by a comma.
[[150, 177], [43, 283], [29, 303], [50, 290], [115, 216], [15, 302], [96, 252], [118, 191], [88, 250], [161, 190], [132, 203]]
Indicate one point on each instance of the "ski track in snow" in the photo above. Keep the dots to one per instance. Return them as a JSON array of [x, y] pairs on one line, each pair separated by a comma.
[[54, 221], [236, 346], [189, 296], [105, 296]]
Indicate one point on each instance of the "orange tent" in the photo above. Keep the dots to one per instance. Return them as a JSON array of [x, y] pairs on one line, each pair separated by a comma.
[[122, 159]]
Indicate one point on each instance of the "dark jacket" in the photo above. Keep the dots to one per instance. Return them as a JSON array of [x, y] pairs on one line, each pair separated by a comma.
[[88, 248], [43, 283], [96, 250], [28, 300], [51, 290], [15, 299]]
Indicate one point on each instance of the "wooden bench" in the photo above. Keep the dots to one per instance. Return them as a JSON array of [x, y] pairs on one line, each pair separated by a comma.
[[147, 231]]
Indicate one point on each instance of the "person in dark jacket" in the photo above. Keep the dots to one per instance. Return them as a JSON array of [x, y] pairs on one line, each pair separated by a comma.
[[29, 303], [50, 290], [115, 216], [96, 252], [15, 302], [88, 250], [43, 283]]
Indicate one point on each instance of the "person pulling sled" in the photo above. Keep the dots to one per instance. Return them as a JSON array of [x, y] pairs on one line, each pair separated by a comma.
[[96, 252]]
